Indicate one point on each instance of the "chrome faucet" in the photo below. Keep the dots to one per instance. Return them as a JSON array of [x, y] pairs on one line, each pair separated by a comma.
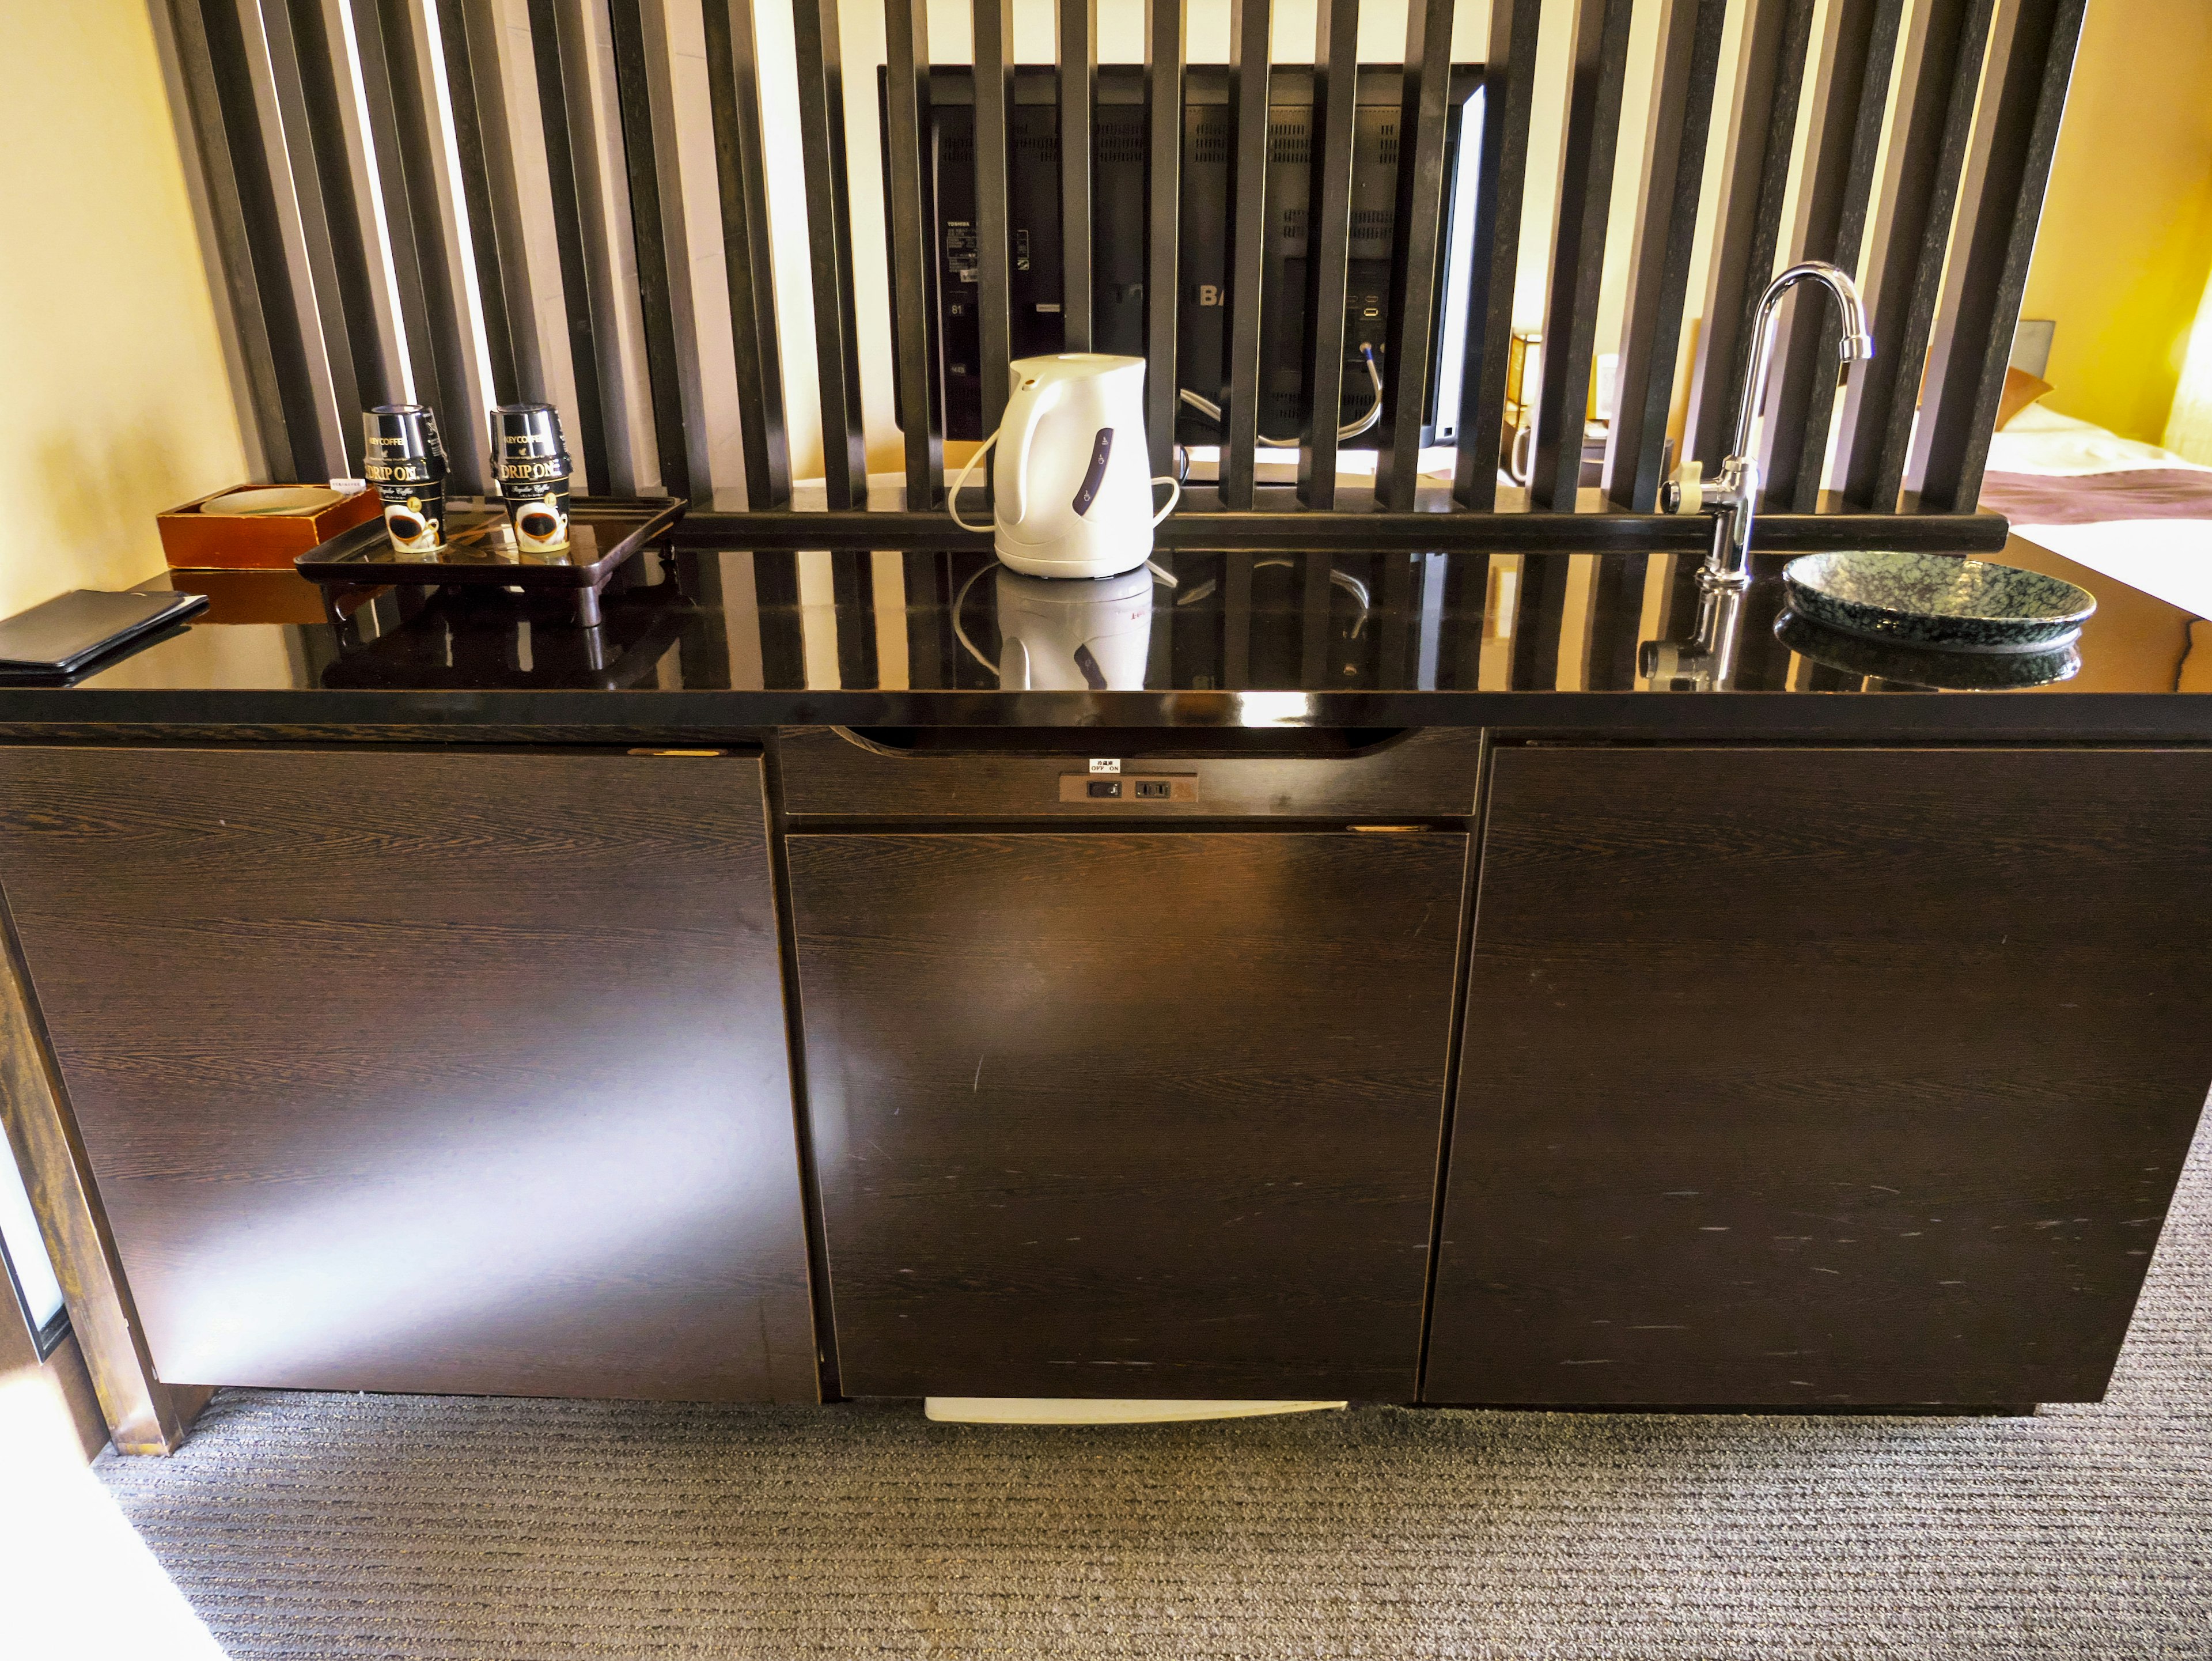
[[1732, 496]]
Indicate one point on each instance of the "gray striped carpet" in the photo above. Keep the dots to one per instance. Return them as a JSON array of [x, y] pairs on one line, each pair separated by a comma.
[[342, 1526]]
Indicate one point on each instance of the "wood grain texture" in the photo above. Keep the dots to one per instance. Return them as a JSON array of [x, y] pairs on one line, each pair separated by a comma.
[[1808, 1077], [1127, 1114], [826, 775], [143, 1415], [441, 1072]]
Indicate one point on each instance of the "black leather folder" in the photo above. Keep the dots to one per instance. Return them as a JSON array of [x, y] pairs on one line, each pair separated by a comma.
[[72, 632]]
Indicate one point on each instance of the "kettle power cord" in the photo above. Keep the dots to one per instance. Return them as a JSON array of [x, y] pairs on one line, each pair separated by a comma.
[[1212, 410]]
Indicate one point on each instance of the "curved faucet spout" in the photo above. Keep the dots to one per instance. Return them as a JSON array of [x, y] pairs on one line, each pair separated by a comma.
[[1732, 495], [1856, 346]]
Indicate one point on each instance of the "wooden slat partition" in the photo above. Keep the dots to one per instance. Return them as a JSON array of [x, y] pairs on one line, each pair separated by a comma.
[[913, 292], [1599, 56], [1424, 111], [1509, 89], [232, 142], [642, 95], [1166, 45], [1250, 71], [1076, 47], [1328, 241], [733, 99], [306, 77], [830, 241], [994, 101], [1832, 213], [557, 57], [292, 145], [1930, 152], [1666, 231], [2030, 99], [1777, 35], [469, 33]]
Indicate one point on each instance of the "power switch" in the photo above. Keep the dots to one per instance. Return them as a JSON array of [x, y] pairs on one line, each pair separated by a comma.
[[1108, 787]]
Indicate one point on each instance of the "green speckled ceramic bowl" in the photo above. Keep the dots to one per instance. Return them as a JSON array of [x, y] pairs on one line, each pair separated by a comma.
[[1937, 599]]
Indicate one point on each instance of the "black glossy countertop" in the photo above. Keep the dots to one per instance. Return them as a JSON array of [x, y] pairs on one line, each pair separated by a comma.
[[704, 641]]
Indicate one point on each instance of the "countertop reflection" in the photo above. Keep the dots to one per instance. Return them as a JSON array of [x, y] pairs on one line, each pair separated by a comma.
[[1353, 635]]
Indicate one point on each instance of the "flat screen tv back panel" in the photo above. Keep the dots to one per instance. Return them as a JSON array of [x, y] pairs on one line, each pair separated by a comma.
[[1120, 238]]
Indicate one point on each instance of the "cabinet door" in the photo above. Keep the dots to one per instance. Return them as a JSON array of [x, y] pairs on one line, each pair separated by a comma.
[[1149, 1115], [1812, 1077], [426, 1071]]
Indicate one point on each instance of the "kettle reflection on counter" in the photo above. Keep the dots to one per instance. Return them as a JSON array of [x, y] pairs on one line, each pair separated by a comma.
[[1056, 635]]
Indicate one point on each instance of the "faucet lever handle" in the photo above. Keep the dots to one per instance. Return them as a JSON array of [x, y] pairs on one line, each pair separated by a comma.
[[1685, 493]]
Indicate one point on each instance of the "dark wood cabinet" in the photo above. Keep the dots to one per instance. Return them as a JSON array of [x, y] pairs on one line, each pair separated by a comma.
[[1821, 1077], [1147, 1114], [458, 1071]]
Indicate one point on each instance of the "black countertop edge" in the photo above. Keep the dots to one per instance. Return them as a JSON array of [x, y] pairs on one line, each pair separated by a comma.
[[1898, 717]]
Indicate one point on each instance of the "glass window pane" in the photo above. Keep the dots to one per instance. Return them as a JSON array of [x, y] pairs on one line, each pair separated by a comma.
[[26, 1252]]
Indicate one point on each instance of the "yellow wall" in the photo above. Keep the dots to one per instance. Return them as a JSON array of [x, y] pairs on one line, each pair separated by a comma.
[[115, 402], [2126, 241]]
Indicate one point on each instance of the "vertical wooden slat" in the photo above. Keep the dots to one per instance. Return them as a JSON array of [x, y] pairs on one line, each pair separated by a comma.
[[1777, 35], [1616, 606], [1166, 42], [213, 45], [1832, 218], [1509, 79], [1599, 56], [748, 262], [853, 584], [1328, 241], [829, 238], [330, 218], [2024, 135], [1659, 265], [906, 54], [1250, 71], [1315, 571], [994, 100], [1949, 37], [1540, 610], [656, 241], [469, 39], [558, 57], [1076, 45], [1416, 279], [409, 160], [1237, 620]]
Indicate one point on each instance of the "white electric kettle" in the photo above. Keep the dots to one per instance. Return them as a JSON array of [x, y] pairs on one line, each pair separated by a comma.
[[1074, 494]]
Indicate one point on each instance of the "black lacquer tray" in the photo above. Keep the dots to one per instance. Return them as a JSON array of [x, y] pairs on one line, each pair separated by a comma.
[[604, 532]]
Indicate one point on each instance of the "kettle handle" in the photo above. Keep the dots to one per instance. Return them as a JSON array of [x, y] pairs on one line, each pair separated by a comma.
[[1023, 414]]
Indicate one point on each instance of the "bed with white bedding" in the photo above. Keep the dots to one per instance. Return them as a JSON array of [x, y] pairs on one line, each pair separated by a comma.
[[2130, 510]]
